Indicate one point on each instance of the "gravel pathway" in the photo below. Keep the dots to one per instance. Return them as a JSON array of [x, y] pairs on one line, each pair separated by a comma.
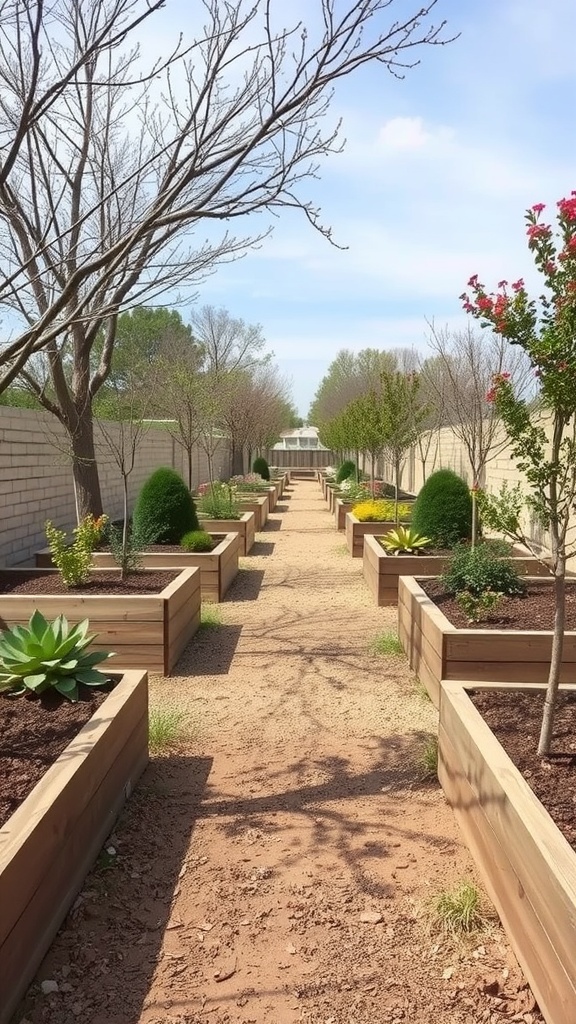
[[276, 868]]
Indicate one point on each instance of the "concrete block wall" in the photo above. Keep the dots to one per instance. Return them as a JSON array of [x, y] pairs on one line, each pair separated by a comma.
[[447, 451], [36, 477]]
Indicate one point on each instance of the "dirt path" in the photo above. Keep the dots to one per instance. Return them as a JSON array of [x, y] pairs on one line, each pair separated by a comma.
[[245, 862]]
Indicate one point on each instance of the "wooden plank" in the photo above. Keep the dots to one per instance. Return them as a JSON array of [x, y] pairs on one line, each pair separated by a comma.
[[539, 914], [50, 843], [541, 858], [505, 645]]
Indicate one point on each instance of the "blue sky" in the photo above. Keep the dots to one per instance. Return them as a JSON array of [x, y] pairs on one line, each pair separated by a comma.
[[432, 187]]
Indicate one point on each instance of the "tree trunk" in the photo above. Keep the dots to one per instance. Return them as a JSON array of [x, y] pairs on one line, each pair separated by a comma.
[[189, 460], [237, 461], [555, 661], [85, 467]]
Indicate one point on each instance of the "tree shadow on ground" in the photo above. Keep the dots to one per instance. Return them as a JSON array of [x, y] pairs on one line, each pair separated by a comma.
[[327, 815], [281, 507], [125, 905]]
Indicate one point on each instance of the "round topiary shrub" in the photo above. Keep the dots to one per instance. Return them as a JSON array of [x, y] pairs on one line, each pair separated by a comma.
[[443, 509], [347, 469], [197, 540], [261, 467], [164, 510]]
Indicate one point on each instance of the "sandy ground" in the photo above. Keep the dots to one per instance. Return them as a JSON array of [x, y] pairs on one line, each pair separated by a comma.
[[278, 866]]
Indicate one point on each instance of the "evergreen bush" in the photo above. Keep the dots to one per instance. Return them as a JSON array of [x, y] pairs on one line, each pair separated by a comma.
[[164, 510], [443, 509], [346, 470], [261, 467]]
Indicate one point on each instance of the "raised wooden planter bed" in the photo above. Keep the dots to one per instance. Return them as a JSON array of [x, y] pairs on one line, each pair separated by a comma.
[[341, 507], [382, 571], [438, 650], [356, 531], [146, 631], [245, 527], [259, 504], [217, 567], [49, 844], [527, 865]]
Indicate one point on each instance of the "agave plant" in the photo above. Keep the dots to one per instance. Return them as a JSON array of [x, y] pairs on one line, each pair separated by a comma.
[[404, 539], [45, 655]]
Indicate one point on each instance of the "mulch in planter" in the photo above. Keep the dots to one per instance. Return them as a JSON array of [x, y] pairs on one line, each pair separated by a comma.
[[35, 731], [515, 719], [142, 581], [535, 610], [172, 548]]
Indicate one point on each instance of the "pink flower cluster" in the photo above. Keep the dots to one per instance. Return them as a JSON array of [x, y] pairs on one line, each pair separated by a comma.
[[497, 380]]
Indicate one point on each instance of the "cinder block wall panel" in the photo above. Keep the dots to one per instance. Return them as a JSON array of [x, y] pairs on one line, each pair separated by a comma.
[[36, 476]]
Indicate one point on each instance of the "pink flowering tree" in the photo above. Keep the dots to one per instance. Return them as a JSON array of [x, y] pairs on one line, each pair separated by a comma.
[[545, 327]]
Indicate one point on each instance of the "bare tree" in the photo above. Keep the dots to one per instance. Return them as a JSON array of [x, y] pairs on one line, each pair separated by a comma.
[[113, 176], [459, 375]]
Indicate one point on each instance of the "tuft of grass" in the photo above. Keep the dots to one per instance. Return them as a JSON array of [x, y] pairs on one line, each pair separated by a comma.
[[387, 644], [428, 759], [459, 911], [342, 549], [421, 691], [166, 726], [210, 615]]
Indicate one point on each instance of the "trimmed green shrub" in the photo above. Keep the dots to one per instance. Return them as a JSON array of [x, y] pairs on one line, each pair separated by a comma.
[[164, 510], [478, 570], [197, 540], [347, 470], [443, 509], [261, 467]]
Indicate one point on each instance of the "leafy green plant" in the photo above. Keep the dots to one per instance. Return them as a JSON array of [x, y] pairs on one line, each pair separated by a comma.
[[443, 509], [381, 511], [261, 467], [125, 547], [388, 644], [164, 509], [477, 570], [346, 470], [459, 910], [197, 540], [166, 727], [74, 560], [219, 501], [477, 607], [404, 539], [45, 655]]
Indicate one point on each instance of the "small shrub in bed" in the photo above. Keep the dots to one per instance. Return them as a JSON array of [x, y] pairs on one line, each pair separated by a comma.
[[197, 540], [164, 510], [261, 467], [443, 509], [346, 470], [381, 511], [479, 570]]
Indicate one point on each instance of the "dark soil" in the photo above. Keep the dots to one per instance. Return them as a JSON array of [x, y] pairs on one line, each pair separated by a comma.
[[143, 581], [35, 731], [535, 610], [515, 719], [172, 548]]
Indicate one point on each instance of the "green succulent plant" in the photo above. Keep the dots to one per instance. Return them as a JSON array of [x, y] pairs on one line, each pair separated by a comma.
[[49, 655], [405, 539]]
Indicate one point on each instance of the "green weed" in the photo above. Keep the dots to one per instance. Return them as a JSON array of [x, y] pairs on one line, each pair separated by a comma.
[[387, 644], [166, 726], [459, 910]]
